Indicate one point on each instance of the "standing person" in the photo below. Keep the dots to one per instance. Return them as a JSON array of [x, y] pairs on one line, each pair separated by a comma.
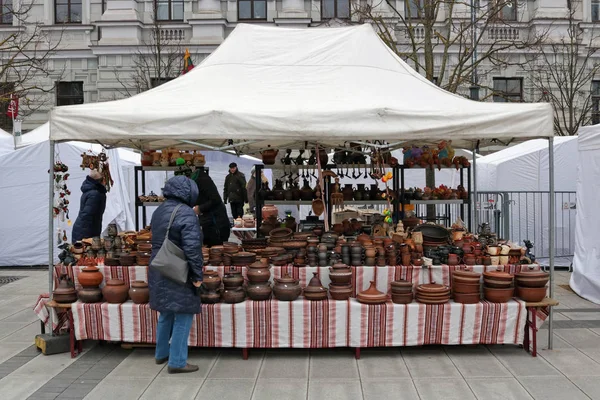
[[176, 303], [252, 187], [93, 202], [235, 191], [211, 210]]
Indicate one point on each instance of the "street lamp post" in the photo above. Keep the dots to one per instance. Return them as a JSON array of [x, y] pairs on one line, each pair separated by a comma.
[[474, 88]]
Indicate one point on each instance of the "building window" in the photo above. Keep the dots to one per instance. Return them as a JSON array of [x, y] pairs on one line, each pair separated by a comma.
[[595, 10], [508, 90], [413, 9], [252, 9], [595, 102], [67, 11], [335, 9], [155, 82], [6, 89], [169, 10], [69, 93], [6, 12], [504, 10]]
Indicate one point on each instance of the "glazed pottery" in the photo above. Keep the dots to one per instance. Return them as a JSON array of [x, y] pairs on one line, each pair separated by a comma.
[[139, 292], [453, 259], [234, 295], [495, 295], [340, 292], [315, 289], [465, 288], [211, 280], [498, 275], [371, 295], [498, 284], [286, 288], [402, 298], [259, 271], [531, 294], [115, 291], [493, 250], [531, 282], [268, 155], [112, 230], [64, 292], [210, 297], [90, 277], [467, 298], [90, 295], [259, 291], [494, 260], [233, 279], [340, 276], [269, 210], [470, 259], [503, 260]]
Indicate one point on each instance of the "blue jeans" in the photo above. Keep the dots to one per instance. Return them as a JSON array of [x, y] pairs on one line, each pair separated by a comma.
[[176, 328]]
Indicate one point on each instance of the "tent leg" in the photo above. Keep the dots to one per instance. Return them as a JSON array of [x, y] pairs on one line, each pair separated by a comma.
[[475, 220], [551, 206], [51, 229]]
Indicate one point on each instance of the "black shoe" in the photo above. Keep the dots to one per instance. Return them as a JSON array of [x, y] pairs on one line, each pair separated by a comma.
[[186, 369], [162, 360]]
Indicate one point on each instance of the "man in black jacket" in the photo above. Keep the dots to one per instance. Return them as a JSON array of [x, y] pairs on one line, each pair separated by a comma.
[[211, 210], [235, 191], [93, 202]]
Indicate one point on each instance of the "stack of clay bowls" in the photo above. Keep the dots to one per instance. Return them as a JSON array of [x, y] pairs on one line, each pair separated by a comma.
[[498, 286], [433, 293], [212, 285], [402, 292], [229, 250], [315, 290], [258, 274], [215, 255], [531, 285], [243, 258], [466, 287], [233, 291], [340, 287]]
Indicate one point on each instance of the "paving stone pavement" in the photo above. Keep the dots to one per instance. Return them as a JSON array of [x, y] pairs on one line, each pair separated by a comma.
[[106, 371]]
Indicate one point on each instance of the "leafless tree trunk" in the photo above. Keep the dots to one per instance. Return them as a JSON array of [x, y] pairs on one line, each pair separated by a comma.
[[25, 49], [562, 74]]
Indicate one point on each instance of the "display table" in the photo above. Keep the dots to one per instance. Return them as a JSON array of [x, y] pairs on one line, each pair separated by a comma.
[[244, 233], [312, 324]]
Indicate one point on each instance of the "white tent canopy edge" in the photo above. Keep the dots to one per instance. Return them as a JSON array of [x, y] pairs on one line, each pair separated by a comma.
[[294, 86]]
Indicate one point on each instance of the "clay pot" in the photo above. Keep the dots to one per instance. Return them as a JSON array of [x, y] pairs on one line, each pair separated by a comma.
[[139, 292], [259, 272], [470, 259], [466, 288], [259, 291], [401, 287], [90, 277], [348, 192], [498, 275], [453, 259], [233, 279], [286, 288], [115, 291], [210, 297], [534, 282], [372, 295], [231, 296], [269, 210], [306, 193], [340, 292], [404, 298], [90, 295], [64, 292], [406, 259], [268, 155], [498, 295], [531, 294], [211, 280], [493, 250], [464, 298], [370, 252], [315, 289], [340, 276]]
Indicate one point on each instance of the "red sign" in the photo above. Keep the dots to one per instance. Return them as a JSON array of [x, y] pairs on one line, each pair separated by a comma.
[[13, 107]]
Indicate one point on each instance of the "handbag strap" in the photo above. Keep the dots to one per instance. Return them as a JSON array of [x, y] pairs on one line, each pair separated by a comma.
[[172, 218]]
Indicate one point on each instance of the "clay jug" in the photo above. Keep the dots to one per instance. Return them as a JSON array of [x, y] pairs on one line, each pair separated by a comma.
[[295, 192], [453, 259], [211, 280], [269, 210], [470, 259], [268, 155], [115, 291], [323, 157], [64, 292], [290, 223], [286, 288], [348, 192], [306, 193], [139, 292], [278, 192], [90, 277], [259, 272]]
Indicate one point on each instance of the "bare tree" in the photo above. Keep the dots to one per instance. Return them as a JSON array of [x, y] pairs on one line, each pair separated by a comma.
[[156, 61], [25, 49], [562, 74], [450, 41]]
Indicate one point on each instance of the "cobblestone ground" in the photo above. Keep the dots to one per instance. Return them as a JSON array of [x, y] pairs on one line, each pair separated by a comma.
[[105, 371]]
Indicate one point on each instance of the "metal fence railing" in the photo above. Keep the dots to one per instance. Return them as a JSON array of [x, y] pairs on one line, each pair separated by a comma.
[[520, 215]]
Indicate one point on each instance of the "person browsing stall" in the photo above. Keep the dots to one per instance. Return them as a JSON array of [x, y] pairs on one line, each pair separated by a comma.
[[92, 205]]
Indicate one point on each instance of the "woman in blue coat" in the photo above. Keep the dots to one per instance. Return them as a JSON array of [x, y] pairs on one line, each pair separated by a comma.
[[176, 303], [93, 202]]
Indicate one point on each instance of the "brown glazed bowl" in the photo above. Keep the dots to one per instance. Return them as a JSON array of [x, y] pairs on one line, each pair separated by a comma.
[[496, 284], [495, 295], [342, 292], [531, 294], [404, 298], [466, 288], [465, 298], [259, 291]]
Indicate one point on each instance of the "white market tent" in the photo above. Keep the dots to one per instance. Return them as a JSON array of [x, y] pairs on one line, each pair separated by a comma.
[[7, 143], [585, 280], [295, 87]]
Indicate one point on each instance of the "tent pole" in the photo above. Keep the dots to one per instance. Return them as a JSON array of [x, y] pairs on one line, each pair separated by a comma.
[[474, 205], [552, 211], [51, 230]]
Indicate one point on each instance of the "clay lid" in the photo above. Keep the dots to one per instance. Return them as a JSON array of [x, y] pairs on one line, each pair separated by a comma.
[[401, 283], [467, 274], [372, 293], [287, 279], [498, 275], [432, 288], [532, 274], [114, 282], [315, 289]]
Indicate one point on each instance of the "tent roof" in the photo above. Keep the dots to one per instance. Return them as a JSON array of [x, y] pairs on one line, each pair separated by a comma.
[[589, 138], [282, 86], [522, 149]]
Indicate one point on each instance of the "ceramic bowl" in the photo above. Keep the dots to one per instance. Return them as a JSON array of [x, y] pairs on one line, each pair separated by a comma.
[[498, 284], [531, 294], [466, 288], [496, 295], [405, 298], [465, 298]]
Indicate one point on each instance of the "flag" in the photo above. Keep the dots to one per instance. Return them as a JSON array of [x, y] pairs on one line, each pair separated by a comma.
[[187, 62], [13, 107]]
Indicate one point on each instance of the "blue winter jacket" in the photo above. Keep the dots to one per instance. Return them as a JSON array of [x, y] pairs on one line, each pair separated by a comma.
[[166, 295], [93, 202]]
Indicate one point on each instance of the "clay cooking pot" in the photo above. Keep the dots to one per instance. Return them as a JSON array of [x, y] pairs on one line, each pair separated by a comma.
[[90, 277], [139, 292], [115, 291]]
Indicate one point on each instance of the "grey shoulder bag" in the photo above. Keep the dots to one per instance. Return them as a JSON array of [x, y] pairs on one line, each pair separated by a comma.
[[170, 260]]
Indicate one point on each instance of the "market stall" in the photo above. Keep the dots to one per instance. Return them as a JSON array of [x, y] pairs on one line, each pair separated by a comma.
[[314, 90]]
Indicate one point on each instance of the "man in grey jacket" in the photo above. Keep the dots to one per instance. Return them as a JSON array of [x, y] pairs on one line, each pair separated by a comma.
[[234, 191]]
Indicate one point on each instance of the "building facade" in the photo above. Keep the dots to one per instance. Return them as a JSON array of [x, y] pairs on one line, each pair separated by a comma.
[[100, 42]]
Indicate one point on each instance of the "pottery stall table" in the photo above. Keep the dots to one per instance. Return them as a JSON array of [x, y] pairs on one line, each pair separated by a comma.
[[244, 233], [311, 324], [75, 345], [536, 315]]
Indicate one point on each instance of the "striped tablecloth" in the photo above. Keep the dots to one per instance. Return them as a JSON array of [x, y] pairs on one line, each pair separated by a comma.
[[313, 324]]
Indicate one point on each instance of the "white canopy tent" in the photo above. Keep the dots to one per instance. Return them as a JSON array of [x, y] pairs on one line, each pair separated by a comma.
[[7, 143], [585, 279], [294, 88]]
